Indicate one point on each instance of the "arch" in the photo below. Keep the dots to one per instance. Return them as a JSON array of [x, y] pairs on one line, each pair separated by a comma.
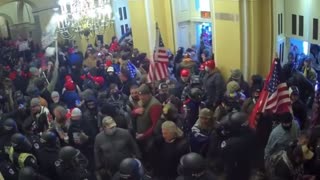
[[7, 18], [32, 4]]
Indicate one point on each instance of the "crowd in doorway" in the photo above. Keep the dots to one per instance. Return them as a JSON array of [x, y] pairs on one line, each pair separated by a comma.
[[94, 115]]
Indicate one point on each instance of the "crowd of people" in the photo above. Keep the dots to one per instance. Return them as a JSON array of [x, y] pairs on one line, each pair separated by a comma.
[[94, 115]]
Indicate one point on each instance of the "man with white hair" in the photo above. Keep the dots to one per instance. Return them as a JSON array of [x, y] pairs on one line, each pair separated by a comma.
[[168, 150]]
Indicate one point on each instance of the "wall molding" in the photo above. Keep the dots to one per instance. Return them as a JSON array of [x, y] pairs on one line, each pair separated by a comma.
[[227, 16]]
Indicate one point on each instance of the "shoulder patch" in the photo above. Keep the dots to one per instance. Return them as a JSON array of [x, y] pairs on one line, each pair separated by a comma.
[[223, 144], [57, 163], [36, 145], [11, 171], [33, 160]]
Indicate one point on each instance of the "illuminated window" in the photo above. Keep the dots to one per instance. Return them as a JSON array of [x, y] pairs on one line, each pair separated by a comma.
[[203, 5], [305, 47]]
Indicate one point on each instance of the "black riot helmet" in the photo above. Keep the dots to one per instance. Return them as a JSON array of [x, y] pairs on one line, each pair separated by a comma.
[[68, 153], [195, 94], [20, 143], [72, 156], [232, 123], [192, 165], [49, 139], [9, 126], [131, 169], [27, 173]]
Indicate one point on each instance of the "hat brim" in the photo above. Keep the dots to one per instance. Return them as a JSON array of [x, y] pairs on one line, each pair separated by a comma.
[[112, 125]]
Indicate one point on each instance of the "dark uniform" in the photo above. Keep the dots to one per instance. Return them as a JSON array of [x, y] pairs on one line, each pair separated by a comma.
[[48, 154], [7, 170], [131, 169], [71, 164], [35, 142], [193, 167], [8, 127], [237, 147], [20, 152]]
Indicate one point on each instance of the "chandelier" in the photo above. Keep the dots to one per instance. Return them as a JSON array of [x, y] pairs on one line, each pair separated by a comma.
[[85, 17]]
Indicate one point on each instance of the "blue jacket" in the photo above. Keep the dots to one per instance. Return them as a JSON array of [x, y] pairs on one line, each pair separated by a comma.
[[70, 98], [199, 139]]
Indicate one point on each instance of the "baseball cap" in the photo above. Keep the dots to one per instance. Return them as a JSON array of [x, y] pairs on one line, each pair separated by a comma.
[[108, 122], [144, 89]]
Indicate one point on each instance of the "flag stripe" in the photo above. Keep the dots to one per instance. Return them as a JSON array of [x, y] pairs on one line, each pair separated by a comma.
[[158, 69], [274, 97]]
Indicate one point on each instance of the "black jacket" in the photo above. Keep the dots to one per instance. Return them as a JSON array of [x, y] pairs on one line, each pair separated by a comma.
[[167, 157], [46, 159], [214, 87], [110, 150], [77, 127]]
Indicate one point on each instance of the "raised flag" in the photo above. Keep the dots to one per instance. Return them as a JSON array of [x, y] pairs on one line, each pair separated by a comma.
[[158, 68], [274, 98]]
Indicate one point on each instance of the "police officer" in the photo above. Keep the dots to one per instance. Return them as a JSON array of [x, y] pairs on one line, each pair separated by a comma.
[[237, 146], [28, 173], [48, 154], [20, 152], [193, 167], [131, 169], [7, 170], [71, 164], [7, 129]]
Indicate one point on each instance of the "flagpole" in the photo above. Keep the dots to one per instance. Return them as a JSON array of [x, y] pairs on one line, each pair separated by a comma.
[[154, 55]]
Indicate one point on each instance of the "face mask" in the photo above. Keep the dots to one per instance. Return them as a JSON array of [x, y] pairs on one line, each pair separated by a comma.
[[110, 131], [110, 73], [184, 79], [206, 69], [286, 127], [55, 99]]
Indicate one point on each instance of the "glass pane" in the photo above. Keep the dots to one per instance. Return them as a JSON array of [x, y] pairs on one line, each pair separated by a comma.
[[125, 13], [204, 5], [301, 25], [294, 24], [120, 13]]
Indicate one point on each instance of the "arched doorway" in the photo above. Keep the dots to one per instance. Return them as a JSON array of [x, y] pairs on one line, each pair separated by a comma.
[[5, 22]]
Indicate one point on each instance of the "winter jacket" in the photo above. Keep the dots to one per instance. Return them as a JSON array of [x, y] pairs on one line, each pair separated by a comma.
[[199, 139], [125, 86], [238, 154], [248, 105], [39, 122], [279, 139], [214, 87], [167, 157], [110, 150]]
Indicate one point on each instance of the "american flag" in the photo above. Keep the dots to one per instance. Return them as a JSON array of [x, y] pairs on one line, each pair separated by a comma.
[[274, 97], [158, 69]]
